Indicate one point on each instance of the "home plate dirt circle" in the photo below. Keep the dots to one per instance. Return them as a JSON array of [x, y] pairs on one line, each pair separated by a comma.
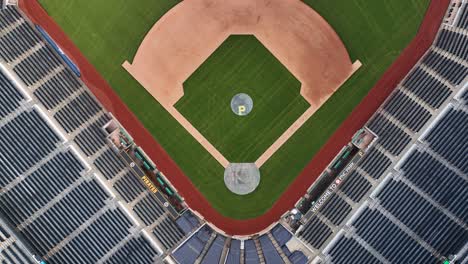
[[241, 104], [242, 178]]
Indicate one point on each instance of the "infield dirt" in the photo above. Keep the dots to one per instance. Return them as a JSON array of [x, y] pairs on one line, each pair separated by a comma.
[[292, 31]]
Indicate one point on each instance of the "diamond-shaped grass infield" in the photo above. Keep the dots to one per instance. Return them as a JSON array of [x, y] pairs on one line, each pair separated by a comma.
[[242, 65]]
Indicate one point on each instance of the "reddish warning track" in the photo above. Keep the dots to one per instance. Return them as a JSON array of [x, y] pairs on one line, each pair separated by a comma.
[[358, 117]]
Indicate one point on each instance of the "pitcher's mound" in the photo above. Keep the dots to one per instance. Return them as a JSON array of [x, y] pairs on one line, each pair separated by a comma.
[[242, 178], [241, 104]]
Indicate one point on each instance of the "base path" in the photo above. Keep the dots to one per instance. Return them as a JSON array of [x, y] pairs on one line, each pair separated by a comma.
[[296, 125], [193, 197], [197, 135]]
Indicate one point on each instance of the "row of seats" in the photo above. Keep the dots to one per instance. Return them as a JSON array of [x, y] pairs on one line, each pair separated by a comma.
[[109, 164], [129, 186], [464, 97], [391, 136], [462, 21], [92, 139], [423, 218], [24, 141], [38, 188], [77, 112], [453, 42], [389, 240], [427, 87], [56, 89], [315, 232], [14, 254], [449, 138], [335, 209], [451, 70], [355, 186], [407, 111], [442, 184], [135, 251], [10, 97], [96, 240], [348, 250]]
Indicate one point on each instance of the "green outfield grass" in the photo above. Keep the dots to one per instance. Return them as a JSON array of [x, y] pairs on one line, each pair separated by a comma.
[[109, 32], [242, 65]]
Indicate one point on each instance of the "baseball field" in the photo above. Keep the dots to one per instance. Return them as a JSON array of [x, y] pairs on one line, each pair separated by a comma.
[[109, 32]]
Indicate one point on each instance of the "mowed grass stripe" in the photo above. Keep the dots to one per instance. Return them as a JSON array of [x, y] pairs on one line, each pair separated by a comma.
[[108, 32]]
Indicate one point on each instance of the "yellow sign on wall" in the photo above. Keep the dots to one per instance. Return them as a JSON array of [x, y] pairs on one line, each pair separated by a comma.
[[149, 184]]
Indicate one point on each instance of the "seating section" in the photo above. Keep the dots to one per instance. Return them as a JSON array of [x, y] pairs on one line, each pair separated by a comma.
[[192, 248], [269, 252], [96, 240], [58, 88], [10, 249], [453, 42], [168, 233], [391, 137], [234, 254], [442, 184], [315, 232], [375, 163], [15, 254], [462, 21], [135, 251], [109, 164], [77, 111], [148, 209], [407, 111], [451, 70], [92, 139], [129, 186], [348, 250], [250, 252], [187, 222], [281, 235], [449, 138], [397, 246], [24, 141], [335, 209], [427, 87], [41, 186], [355, 186], [37, 65], [10, 97], [214, 252], [78, 206], [423, 218]]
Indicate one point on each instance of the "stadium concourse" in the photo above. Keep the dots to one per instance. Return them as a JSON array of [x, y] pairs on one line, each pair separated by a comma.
[[400, 197]]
